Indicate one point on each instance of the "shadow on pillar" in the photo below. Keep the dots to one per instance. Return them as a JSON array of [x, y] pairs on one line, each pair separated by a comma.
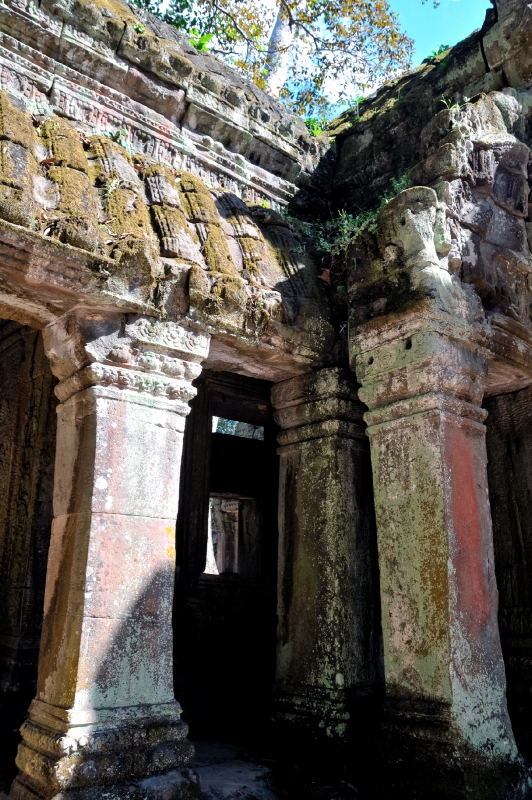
[[328, 695], [138, 744]]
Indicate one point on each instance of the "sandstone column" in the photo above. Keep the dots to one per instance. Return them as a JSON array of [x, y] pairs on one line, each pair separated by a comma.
[[328, 655], [446, 722], [104, 720]]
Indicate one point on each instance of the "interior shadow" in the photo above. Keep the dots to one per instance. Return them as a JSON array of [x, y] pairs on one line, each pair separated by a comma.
[[509, 446], [225, 609]]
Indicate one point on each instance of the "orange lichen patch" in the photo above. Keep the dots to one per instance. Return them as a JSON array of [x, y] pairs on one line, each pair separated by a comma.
[[15, 125], [64, 143]]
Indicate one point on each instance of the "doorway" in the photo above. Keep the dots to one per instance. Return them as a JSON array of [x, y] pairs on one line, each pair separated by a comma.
[[225, 601]]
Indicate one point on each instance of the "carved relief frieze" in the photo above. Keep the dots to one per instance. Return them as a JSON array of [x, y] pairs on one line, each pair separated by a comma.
[[153, 129]]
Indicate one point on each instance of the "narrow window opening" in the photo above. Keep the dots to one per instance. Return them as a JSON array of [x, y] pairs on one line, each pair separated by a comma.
[[232, 427]]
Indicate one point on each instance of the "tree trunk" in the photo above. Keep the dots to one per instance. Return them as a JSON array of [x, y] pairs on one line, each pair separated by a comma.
[[279, 53]]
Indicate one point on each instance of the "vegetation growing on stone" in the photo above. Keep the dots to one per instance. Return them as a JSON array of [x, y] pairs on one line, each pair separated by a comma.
[[64, 144], [333, 238]]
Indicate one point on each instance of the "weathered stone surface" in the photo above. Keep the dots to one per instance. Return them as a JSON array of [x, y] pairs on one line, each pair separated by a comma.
[[328, 641], [138, 233], [133, 228], [89, 63], [105, 712], [443, 666], [466, 232]]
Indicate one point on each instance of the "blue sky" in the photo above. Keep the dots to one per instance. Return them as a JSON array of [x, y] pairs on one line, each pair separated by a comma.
[[452, 21]]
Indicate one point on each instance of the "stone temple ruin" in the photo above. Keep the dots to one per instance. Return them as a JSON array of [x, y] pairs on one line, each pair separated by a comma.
[[354, 566]]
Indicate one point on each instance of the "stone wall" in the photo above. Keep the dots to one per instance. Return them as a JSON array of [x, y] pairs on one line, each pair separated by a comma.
[[145, 257]]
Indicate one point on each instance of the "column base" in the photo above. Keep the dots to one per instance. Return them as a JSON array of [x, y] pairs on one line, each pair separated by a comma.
[[125, 753], [329, 732], [318, 712], [175, 785], [420, 754]]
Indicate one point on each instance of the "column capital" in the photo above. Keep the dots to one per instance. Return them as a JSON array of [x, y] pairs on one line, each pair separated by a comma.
[[125, 351], [317, 404], [400, 361]]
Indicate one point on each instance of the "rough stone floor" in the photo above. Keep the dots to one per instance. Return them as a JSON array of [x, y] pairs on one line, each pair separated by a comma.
[[230, 772]]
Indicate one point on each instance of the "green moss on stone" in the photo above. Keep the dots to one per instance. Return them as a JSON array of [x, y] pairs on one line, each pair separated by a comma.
[[197, 200], [229, 291], [75, 221], [216, 253], [16, 126], [128, 212], [65, 144], [169, 221]]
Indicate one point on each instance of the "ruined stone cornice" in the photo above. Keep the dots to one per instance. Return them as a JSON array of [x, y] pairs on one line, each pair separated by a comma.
[[170, 96]]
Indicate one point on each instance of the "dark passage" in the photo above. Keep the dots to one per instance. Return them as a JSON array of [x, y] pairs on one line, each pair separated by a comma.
[[509, 444], [225, 604]]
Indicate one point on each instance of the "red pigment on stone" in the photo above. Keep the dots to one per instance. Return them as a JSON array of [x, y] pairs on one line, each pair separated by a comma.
[[471, 581]]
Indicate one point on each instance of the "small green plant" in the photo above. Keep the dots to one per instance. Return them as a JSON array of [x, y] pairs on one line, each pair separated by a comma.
[[433, 58], [201, 43], [112, 185], [334, 237], [315, 125], [117, 136], [449, 104], [138, 28], [354, 105], [264, 203]]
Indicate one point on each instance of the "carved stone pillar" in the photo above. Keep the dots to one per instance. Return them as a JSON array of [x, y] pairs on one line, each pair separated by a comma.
[[328, 655], [446, 725], [105, 717]]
